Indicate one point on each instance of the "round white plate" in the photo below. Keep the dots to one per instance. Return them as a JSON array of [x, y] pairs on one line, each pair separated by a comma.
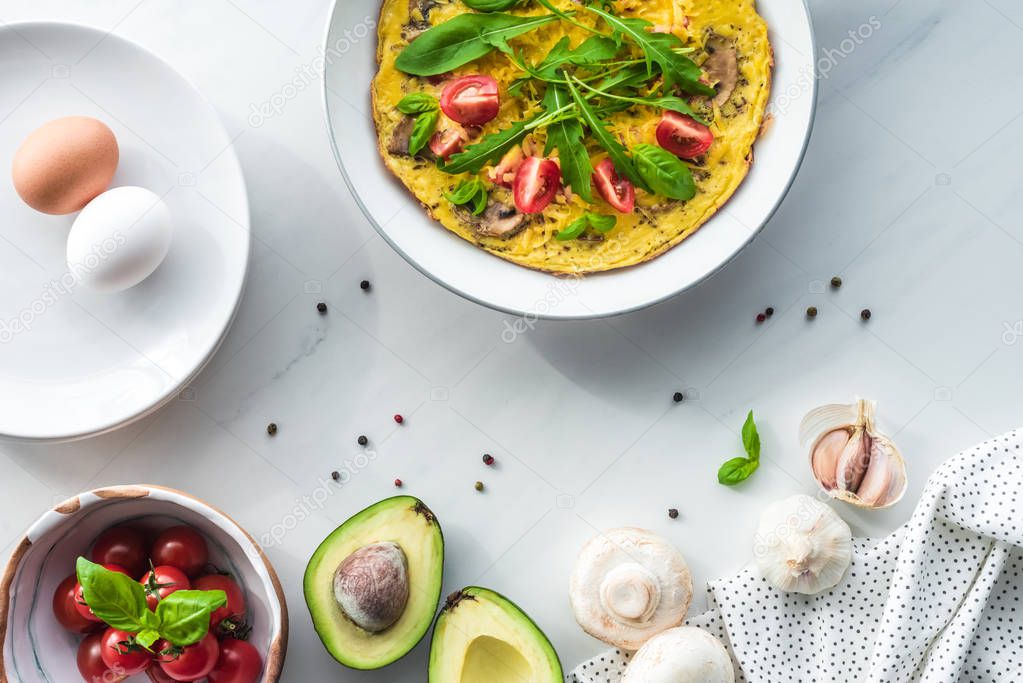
[[74, 363], [350, 64]]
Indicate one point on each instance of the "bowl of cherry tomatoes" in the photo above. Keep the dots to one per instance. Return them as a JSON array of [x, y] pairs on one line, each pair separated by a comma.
[[140, 583]]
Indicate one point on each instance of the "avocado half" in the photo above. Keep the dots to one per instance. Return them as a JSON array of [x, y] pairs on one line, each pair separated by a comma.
[[483, 637], [402, 520]]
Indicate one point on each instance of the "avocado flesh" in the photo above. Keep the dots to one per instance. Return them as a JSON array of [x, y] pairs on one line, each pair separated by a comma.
[[403, 520], [482, 637]]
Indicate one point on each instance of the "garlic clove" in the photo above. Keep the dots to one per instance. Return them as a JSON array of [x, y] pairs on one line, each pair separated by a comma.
[[884, 482], [853, 463], [802, 546], [825, 455]]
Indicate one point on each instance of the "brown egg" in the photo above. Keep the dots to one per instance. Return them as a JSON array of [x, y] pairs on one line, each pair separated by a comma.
[[65, 164]]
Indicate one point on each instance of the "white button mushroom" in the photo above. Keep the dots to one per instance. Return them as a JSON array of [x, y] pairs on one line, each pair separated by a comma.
[[628, 586], [681, 655]]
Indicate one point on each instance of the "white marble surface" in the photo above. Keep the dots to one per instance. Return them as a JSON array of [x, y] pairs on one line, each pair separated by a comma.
[[910, 191]]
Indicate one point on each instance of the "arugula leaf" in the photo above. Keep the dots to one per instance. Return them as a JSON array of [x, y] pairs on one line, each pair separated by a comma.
[[470, 192], [491, 5], [185, 615], [117, 599], [567, 136], [490, 149], [738, 470], [659, 49], [418, 103], [463, 39], [615, 149], [423, 129], [590, 51], [664, 172], [598, 222]]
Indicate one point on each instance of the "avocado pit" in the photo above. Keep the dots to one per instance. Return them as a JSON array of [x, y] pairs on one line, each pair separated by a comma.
[[371, 586]]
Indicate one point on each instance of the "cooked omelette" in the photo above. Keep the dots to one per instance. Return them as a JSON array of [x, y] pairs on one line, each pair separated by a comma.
[[513, 204]]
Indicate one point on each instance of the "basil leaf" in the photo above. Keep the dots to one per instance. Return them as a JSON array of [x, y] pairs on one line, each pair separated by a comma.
[[470, 192], [615, 149], [490, 149], [491, 5], [146, 637], [751, 438], [602, 224], [118, 600], [185, 615], [663, 172], [659, 48], [463, 39], [567, 137], [423, 129], [418, 103], [574, 229], [737, 470]]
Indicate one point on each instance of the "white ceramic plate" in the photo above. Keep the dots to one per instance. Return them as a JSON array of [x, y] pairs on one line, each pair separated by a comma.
[[74, 363], [477, 275]]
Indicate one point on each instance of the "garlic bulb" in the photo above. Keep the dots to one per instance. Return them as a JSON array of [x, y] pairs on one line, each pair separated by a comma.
[[851, 460], [629, 585], [802, 546], [681, 655]]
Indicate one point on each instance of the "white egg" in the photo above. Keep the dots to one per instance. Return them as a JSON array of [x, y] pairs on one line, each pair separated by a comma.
[[119, 239]]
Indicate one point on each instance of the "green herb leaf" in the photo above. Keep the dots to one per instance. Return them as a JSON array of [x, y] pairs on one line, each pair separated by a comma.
[[146, 637], [737, 470], [118, 600], [185, 615], [463, 39], [751, 438], [471, 191], [418, 103], [598, 222], [663, 172], [567, 136], [659, 49], [491, 5], [423, 129], [615, 149], [673, 104], [490, 149]]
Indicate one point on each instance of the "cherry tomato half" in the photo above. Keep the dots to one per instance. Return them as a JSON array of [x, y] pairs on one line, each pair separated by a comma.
[[190, 663], [447, 142], [182, 547], [122, 655], [124, 546], [65, 607], [616, 191], [239, 663], [90, 662], [161, 582], [683, 136], [536, 183], [80, 604], [471, 100], [235, 607]]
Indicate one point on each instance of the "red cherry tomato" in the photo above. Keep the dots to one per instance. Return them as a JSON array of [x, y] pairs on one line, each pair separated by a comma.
[[193, 662], [683, 136], [65, 607], [239, 663], [161, 582], [615, 190], [122, 655], [80, 604], [471, 100], [235, 607], [90, 662], [124, 546], [182, 547], [445, 143], [536, 183]]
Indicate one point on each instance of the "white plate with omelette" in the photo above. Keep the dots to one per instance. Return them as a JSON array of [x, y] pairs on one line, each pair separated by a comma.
[[75, 361], [569, 160]]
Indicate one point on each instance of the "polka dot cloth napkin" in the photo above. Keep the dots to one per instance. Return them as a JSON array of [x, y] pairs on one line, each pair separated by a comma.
[[940, 600]]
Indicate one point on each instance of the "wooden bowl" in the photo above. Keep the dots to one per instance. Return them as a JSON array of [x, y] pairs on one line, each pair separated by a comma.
[[34, 648]]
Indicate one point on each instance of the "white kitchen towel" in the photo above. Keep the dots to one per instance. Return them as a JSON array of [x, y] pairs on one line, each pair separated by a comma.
[[940, 600]]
